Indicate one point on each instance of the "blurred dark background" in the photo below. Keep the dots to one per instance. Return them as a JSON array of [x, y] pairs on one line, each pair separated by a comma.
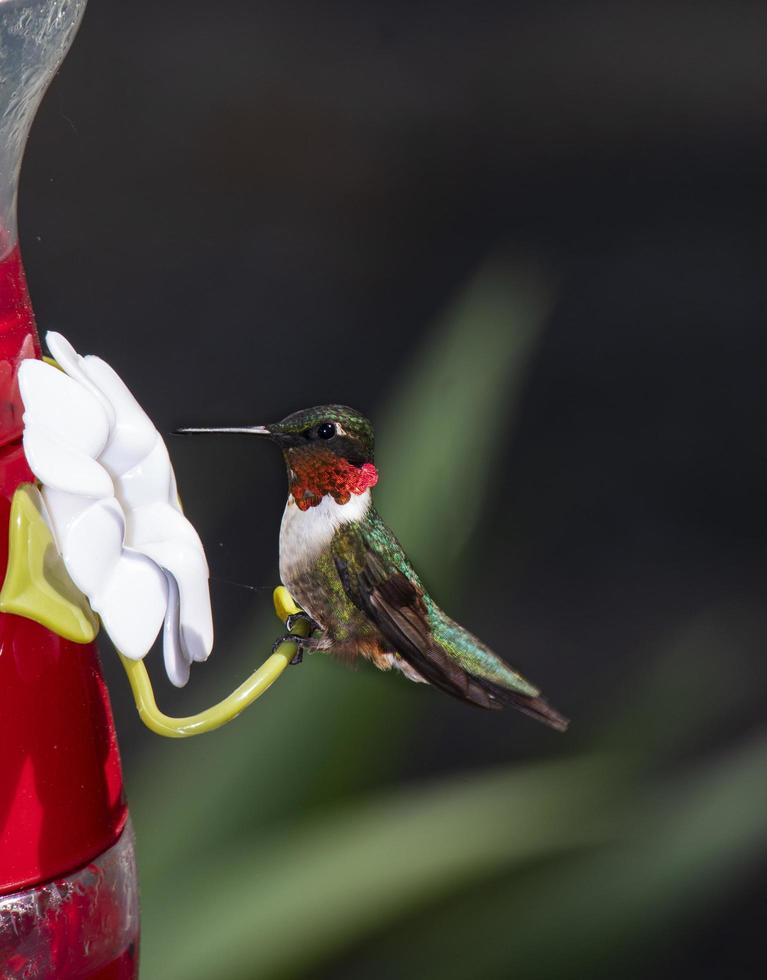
[[249, 208]]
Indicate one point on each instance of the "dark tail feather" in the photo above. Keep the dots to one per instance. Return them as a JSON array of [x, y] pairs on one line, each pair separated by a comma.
[[540, 709], [537, 708]]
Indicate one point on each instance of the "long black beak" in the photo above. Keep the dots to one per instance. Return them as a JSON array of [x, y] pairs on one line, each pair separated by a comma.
[[253, 430]]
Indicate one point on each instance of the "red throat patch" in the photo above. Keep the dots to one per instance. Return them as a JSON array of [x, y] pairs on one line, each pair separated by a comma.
[[319, 472]]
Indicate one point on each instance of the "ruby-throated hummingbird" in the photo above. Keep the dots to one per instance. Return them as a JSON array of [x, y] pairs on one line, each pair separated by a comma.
[[348, 571]]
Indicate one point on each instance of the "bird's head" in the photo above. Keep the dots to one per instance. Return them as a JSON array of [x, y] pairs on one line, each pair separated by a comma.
[[328, 450]]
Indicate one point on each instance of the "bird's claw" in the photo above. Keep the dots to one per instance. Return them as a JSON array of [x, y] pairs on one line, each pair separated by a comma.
[[299, 641], [300, 617]]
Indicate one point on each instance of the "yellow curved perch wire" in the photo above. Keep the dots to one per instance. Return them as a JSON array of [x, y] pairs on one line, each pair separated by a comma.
[[223, 712]]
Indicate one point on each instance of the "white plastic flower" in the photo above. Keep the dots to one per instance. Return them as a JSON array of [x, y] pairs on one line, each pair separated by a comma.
[[111, 500]]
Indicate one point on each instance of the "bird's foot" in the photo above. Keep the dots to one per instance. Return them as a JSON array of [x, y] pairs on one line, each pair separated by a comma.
[[300, 617], [302, 643], [290, 638]]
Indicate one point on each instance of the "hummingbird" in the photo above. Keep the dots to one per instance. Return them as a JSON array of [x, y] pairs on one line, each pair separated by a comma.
[[351, 576]]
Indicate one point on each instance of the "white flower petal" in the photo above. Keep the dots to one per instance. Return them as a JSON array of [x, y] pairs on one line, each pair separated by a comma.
[[63, 409], [91, 543], [196, 622], [118, 583], [132, 604], [161, 522], [133, 435], [176, 663], [59, 466], [61, 509], [70, 361], [168, 538], [149, 481]]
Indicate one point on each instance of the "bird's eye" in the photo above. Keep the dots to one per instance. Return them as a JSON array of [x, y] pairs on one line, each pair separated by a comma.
[[326, 430]]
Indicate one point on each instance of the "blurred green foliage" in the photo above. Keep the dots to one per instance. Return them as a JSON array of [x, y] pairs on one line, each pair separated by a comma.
[[269, 850]]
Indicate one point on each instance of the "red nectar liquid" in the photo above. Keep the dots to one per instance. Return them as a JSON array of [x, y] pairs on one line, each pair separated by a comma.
[[18, 340]]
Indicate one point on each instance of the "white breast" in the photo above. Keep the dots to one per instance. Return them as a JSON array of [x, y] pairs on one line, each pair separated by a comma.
[[304, 533]]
